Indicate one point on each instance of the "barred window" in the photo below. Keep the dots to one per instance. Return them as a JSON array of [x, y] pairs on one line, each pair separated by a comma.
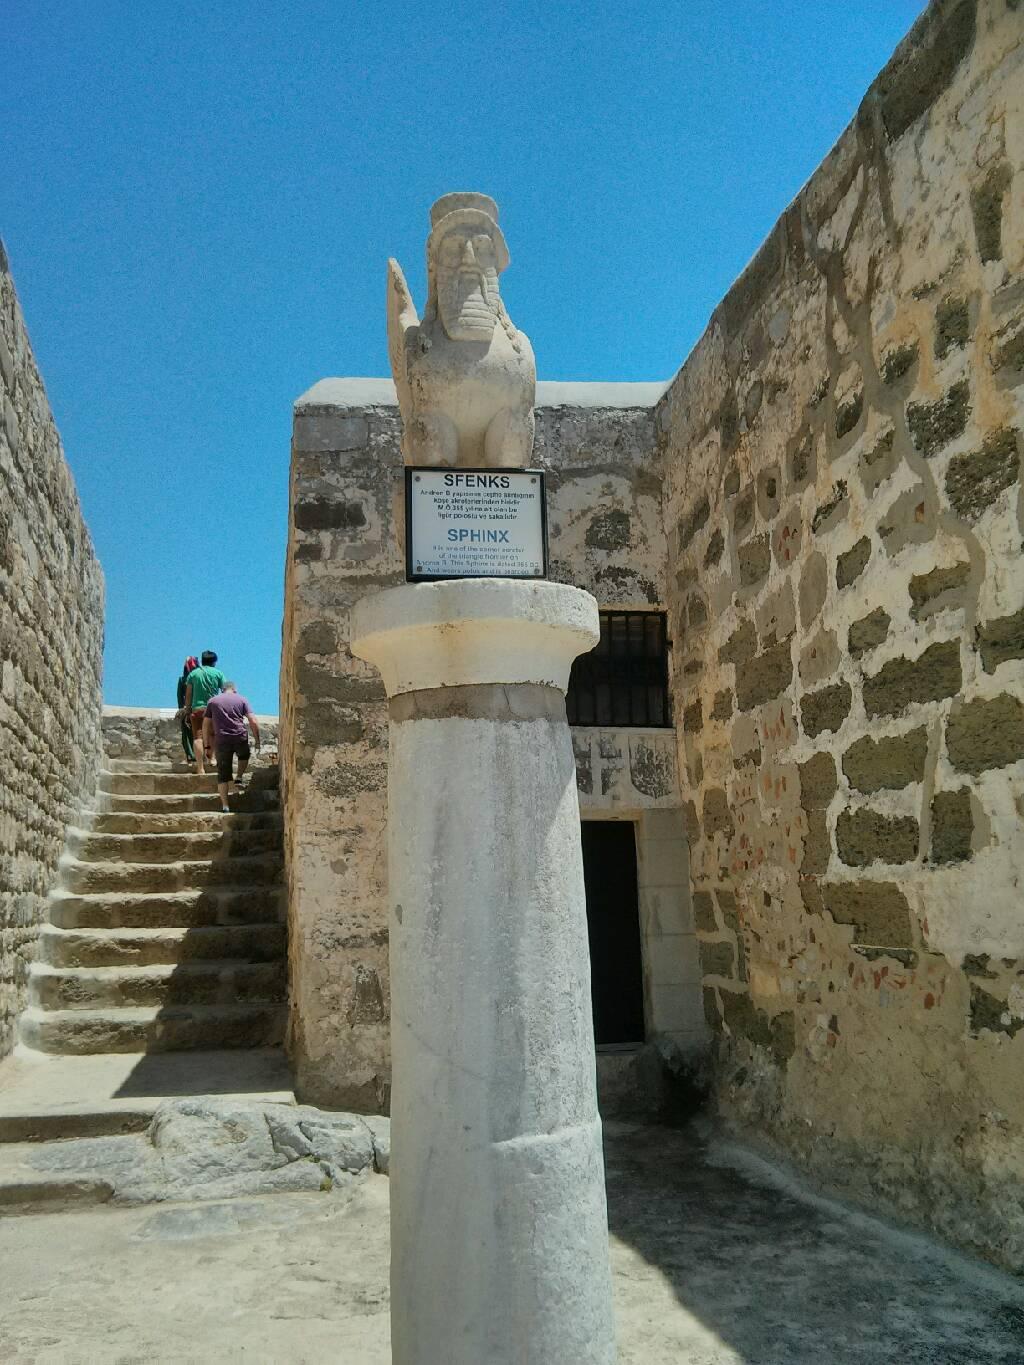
[[624, 679]]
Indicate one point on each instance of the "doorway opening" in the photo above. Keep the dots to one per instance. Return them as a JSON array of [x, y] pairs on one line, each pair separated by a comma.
[[613, 927]]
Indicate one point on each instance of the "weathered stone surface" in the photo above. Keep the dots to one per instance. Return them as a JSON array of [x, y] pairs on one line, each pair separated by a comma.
[[889, 763], [693, 717], [952, 826], [935, 674], [817, 844], [755, 560], [717, 815], [765, 676], [952, 326], [722, 708], [704, 912], [848, 414], [851, 565], [992, 1012], [695, 521], [878, 911], [983, 734], [608, 529], [818, 781], [743, 512], [1001, 639], [832, 511], [939, 588], [934, 425], [974, 482], [897, 361], [825, 709], [920, 72], [775, 1033], [51, 643], [717, 959], [987, 211], [741, 645], [869, 632], [813, 587], [713, 554], [867, 836], [769, 493]]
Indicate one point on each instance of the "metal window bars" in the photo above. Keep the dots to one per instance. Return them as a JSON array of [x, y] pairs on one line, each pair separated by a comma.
[[623, 681]]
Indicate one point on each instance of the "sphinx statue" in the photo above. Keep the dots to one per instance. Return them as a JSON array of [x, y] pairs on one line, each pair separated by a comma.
[[466, 378]]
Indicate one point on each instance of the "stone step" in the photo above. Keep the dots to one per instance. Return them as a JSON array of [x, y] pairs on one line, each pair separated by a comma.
[[182, 822], [263, 799], [176, 909], [163, 985], [147, 947], [44, 1097], [154, 1029], [176, 784], [184, 846], [78, 876]]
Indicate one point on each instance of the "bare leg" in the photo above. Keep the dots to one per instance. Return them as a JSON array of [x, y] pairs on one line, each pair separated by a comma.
[[200, 747], [222, 790], [243, 763]]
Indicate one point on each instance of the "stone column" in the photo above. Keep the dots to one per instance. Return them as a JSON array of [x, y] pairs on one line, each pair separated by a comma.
[[499, 1236]]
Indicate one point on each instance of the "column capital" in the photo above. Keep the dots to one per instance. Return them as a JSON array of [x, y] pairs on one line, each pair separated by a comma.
[[462, 632]]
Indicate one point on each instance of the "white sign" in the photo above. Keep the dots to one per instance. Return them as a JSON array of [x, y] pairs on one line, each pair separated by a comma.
[[474, 523]]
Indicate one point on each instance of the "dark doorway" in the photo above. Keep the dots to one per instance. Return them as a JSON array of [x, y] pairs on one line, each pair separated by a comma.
[[613, 925]]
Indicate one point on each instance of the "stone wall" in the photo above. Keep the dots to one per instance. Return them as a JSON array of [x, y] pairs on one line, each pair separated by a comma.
[[843, 498], [51, 642], [596, 443], [152, 732]]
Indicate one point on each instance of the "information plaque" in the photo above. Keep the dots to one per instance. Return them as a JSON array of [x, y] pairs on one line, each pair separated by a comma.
[[474, 523]]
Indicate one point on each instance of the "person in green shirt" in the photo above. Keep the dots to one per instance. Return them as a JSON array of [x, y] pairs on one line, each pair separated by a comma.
[[201, 684]]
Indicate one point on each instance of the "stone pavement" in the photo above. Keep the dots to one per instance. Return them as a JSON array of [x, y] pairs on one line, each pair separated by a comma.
[[718, 1259]]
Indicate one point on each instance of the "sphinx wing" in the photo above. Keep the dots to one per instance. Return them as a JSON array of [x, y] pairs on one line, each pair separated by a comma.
[[402, 316]]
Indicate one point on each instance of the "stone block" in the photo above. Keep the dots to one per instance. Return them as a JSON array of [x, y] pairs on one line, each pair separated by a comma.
[[896, 362], [825, 709], [952, 826], [741, 646], [909, 520], [693, 718], [713, 553], [324, 430], [848, 413], [722, 709], [919, 72], [743, 512], [993, 1012], [934, 425], [868, 632], [693, 522], [940, 588], [717, 959], [755, 560], [817, 844], [987, 211], [866, 836], [952, 326], [329, 514], [704, 912], [974, 481], [1001, 639], [769, 492], [832, 511], [820, 658], [813, 587], [889, 763], [901, 682], [878, 911], [851, 565], [765, 676], [818, 781], [983, 734], [608, 529], [717, 815]]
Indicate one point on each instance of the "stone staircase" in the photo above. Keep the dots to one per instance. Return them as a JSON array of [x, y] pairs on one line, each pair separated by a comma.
[[167, 930]]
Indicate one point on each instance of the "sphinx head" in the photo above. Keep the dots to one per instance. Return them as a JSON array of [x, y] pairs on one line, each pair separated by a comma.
[[466, 253]]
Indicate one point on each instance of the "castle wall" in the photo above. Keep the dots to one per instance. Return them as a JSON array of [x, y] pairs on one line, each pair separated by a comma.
[[844, 511], [596, 443], [51, 642]]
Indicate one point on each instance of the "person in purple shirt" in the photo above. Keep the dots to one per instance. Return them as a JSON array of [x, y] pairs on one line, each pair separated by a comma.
[[224, 724]]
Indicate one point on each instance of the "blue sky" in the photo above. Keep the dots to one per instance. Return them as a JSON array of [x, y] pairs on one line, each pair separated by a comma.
[[198, 201]]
